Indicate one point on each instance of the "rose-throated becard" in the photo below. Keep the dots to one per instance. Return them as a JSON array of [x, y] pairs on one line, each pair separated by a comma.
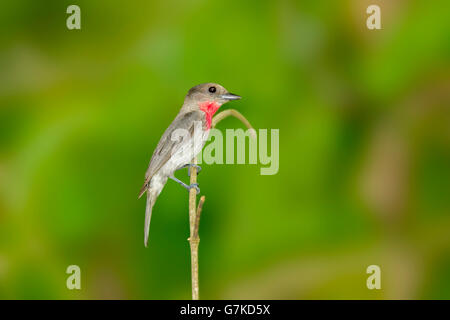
[[172, 153]]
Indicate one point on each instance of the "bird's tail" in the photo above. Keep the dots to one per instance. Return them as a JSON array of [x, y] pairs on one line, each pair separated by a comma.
[[151, 197]]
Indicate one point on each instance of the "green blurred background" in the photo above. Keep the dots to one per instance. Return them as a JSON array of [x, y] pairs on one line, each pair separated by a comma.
[[364, 149]]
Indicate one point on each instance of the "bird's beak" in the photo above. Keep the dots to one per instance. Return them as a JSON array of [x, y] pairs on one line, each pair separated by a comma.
[[230, 96]]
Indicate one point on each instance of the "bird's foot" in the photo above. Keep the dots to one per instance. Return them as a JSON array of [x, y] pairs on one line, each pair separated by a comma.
[[194, 185], [198, 170], [189, 166], [188, 187]]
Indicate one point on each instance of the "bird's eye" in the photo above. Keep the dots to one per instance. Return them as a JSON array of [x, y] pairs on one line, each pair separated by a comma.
[[212, 89]]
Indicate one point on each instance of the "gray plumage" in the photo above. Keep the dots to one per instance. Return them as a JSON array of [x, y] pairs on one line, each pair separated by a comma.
[[182, 141]]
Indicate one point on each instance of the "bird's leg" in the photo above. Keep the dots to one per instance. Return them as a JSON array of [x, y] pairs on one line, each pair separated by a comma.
[[194, 185], [189, 166]]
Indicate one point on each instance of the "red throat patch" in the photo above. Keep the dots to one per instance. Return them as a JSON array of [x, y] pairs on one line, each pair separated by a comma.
[[209, 108]]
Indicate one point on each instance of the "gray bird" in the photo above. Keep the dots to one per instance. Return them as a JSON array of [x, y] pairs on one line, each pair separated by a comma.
[[182, 141]]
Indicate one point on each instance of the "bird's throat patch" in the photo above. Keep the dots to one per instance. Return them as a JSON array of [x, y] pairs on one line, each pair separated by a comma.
[[209, 108]]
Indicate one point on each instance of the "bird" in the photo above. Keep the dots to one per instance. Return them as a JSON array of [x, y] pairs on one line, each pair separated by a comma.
[[182, 141]]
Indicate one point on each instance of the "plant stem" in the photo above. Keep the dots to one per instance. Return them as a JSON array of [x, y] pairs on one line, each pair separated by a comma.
[[195, 212], [232, 112], [194, 221]]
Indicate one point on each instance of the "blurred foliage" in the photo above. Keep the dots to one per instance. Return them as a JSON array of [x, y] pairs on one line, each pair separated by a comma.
[[364, 148]]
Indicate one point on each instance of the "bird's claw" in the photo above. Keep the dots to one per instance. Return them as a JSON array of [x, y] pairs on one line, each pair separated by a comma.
[[194, 185], [189, 165], [193, 165]]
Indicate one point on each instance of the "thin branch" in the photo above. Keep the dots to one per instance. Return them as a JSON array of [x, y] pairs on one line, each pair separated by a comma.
[[193, 236], [194, 211], [197, 217], [232, 112]]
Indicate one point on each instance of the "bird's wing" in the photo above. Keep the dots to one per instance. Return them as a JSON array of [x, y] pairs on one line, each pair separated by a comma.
[[167, 147]]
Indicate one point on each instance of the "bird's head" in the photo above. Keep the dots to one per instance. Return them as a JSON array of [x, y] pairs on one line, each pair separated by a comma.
[[210, 93]]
